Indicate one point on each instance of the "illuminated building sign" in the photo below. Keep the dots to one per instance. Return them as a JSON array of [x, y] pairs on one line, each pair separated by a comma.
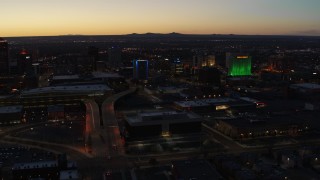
[[222, 107], [242, 57]]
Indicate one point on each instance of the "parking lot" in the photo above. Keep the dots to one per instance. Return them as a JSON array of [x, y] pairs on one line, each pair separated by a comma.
[[64, 132]]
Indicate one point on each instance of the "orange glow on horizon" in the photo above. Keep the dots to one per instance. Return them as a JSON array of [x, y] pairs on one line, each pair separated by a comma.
[[116, 17]]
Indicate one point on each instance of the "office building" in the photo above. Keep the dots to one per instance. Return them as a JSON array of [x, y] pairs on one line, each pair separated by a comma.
[[93, 90], [249, 127], [94, 52], [194, 169], [86, 64], [4, 60], [198, 61], [238, 64], [210, 76], [310, 91], [74, 64], [202, 106], [141, 70], [210, 61], [201, 60], [49, 169], [114, 57], [158, 123], [56, 112], [24, 62], [177, 67], [36, 69], [10, 115]]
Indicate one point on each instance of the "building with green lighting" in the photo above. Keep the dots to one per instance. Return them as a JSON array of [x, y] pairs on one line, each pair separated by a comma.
[[238, 65]]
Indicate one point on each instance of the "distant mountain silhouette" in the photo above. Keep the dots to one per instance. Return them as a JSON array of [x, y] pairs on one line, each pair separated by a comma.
[[142, 37], [149, 34]]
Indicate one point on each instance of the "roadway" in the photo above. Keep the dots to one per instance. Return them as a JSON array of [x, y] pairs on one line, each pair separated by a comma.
[[104, 137], [227, 142], [94, 143], [72, 152], [105, 140], [115, 145]]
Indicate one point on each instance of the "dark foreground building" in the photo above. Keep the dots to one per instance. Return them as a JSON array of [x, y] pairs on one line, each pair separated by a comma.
[[54, 169], [10, 115], [162, 123], [194, 169]]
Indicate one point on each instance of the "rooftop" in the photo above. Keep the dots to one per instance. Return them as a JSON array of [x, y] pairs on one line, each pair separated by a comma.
[[67, 89], [256, 122], [10, 109], [65, 77], [56, 108], [204, 102], [167, 113], [306, 86], [35, 165], [195, 169], [105, 75], [249, 99], [69, 174], [159, 117], [170, 89]]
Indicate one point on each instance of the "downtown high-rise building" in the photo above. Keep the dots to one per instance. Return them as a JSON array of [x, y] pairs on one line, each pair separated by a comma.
[[24, 62], [141, 69], [4, 57], [94, 52], [114, 57], [238, 64]]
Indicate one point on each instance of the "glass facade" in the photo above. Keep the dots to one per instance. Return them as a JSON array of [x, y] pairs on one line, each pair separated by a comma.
[[140, 69]]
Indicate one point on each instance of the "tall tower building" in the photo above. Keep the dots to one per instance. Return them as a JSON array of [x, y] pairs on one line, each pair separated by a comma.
[[210, 60], [198, 60], [4, 58], [177, 66], [94, 52], [201, 60], [114, 54], [24, 62], [238, 64], [140, 69]]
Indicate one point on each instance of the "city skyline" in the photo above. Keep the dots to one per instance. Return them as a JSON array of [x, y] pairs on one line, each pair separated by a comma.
[[98, 17]]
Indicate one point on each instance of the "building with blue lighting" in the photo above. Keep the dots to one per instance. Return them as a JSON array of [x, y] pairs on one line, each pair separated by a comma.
[[141, 70], [177, 67]]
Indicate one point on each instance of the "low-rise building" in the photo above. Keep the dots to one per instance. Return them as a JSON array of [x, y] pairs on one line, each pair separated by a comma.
[[162, 123], [56, 112], [10, 115], [69, 175], [305, 91], [44, 169], [248, 127], [74, 90], [214, 104]]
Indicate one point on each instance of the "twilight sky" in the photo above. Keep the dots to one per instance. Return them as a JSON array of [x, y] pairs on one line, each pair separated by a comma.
[[86, 17]]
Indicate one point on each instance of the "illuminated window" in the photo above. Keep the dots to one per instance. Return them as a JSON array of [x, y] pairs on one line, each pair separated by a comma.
[[221, 107]]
